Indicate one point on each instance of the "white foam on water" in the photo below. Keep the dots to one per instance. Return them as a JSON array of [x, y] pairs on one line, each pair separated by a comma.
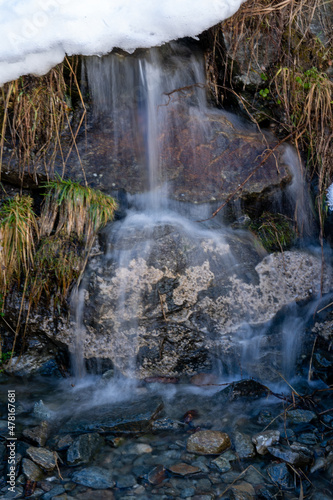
[[37, 34]]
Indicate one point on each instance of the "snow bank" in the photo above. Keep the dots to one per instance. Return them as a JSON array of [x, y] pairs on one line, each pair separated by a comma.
[[36, 34]]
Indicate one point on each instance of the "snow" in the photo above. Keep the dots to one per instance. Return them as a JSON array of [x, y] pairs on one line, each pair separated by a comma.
[[36, 34]]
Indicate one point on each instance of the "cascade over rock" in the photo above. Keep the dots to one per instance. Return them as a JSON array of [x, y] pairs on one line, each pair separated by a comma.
[[205, 159], [167, 301], [160, 121]]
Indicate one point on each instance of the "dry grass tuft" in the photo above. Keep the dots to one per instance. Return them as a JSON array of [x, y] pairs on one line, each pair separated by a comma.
[[34, 113], [58, 264], [18, 232], [71, 208], [296, 86]]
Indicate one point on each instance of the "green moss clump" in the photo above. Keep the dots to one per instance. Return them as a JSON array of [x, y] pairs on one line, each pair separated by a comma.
[[275, 231]]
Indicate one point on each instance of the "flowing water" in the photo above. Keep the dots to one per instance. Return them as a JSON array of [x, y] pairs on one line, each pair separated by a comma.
[[144, 100]]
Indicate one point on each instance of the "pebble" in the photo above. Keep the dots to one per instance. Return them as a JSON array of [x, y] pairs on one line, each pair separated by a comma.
[[243, 445], [43, 457], [221, 464], [279, 474], [208, 442], [242, 491], [64, 442], [300, 416], [265, 439], [94, 477], [157, 475], [183, 469], [31, 470], [91, 495], [319, 464], [140, 449], [41, 411], [83, 448], [57, 490], [125, 481], [285, 454], [38, 435]]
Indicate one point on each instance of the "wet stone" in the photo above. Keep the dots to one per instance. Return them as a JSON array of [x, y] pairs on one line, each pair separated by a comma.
[[266, 492], [204, 379], [31, 470], [172, 492], [203, 484], [242, 491], [265, 417], [94, 477], [125, 481], [253, 477], [18, 493], [288, 455], [172, 454], [57, 490], [64, 496], [265, 439], [131, 417], [91, 495], [279, 474], [206, 496], [42, 457], [3, 428], [208, 442], [308, 438], [221, 464], [287, 434], [201, 463], [187, 492], [38, 435], [319, 464], [183, 469], [300, 416], [64, 442], [229, 477], [38, 493], [165, 424], [229, 455], [140, 449], [83, 448], [243, 445], [306, 455], [41, 411], [157, 475], [249, 389]]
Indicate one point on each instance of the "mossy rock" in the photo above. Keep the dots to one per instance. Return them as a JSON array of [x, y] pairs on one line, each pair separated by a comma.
[[275, 231]]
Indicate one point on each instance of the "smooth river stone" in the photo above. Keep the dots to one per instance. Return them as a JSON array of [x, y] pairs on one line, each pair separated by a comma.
[[208, 442]]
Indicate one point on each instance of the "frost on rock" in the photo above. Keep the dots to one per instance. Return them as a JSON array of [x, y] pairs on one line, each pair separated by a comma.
[[36, 34]]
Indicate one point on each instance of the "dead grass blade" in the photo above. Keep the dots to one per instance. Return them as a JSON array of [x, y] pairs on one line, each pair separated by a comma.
[[18, 229]]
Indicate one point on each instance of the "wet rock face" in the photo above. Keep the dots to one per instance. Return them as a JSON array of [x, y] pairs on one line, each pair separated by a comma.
[[205, 159], [172, 301]]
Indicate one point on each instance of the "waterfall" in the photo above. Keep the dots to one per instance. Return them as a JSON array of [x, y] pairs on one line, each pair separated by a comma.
[[136, 96], [167, 281]]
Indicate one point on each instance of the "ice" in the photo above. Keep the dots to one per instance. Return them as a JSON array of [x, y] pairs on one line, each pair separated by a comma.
[[36, 34]]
